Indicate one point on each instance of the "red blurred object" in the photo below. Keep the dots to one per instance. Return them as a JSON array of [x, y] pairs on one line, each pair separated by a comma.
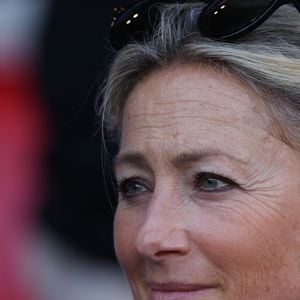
[[24, 139]]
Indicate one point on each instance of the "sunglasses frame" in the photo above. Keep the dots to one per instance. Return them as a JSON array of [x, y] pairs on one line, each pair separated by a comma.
[[261, 18], [124, 13]]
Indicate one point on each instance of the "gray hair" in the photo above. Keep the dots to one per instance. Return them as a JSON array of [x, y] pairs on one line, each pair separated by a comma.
[[266, 60]]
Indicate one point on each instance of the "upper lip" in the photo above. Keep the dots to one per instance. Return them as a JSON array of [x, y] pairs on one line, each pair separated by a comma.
[[179, 286]]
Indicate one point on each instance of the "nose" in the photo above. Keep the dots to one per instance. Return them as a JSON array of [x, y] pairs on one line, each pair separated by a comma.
[[162, 234]]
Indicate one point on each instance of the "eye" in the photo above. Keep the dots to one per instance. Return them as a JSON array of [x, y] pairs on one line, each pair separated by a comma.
[[131, 187], [209, 182]]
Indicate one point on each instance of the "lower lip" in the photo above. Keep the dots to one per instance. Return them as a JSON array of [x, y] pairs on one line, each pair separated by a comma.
[[179, 295]]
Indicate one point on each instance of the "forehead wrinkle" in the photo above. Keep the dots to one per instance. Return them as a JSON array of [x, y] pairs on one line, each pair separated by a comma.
[[154, 109], [161, 99], [171, 123], [211, 111], [154, 127]]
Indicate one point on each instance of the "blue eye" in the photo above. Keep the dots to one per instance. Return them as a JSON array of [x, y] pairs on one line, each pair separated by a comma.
[[209, 182], [131, 187]]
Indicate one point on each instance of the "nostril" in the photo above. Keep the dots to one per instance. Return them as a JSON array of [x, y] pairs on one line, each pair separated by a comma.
[[164, 253]]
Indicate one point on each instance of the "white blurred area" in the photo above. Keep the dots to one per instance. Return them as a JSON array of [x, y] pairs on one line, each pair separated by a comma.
[[21, 24], [63, 275], [54, 271]]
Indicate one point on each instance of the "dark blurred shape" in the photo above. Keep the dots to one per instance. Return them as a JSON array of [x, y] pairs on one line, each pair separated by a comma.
[[73, 63]]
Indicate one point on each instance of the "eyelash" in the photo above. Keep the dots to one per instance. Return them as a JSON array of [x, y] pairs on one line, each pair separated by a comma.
[[123, 185], [200, 177]]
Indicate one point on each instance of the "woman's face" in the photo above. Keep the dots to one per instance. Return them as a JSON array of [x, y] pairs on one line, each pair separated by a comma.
[[209, 199]]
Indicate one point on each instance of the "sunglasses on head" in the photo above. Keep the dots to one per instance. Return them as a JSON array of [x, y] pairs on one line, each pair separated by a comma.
[[220, 19]]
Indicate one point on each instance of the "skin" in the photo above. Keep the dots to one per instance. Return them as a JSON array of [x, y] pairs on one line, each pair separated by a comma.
[[236, 236]]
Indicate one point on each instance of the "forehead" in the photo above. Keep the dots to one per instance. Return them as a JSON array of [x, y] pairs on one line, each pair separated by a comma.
[[191, 106]]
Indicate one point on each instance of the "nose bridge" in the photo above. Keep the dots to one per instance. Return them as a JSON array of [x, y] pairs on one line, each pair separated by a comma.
[[163, 230], [160, 219]]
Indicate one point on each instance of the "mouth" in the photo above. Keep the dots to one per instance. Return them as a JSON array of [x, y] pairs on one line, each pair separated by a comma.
[[179, 291]]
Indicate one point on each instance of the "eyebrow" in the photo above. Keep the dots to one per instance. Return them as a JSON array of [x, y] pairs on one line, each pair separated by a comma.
[[191, 157], [137, 159]]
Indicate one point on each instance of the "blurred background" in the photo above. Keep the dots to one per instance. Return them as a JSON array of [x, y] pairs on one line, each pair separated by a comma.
[[56, 213]]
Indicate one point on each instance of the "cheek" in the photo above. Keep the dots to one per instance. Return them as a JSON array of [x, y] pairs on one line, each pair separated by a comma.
[[252, 253], [125, 231]]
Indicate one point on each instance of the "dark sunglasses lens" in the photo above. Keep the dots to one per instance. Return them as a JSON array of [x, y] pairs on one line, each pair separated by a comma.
[[132, 25], [226, 18]]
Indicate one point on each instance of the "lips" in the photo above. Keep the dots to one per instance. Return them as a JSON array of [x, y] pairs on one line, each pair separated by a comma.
[[179, 291]]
